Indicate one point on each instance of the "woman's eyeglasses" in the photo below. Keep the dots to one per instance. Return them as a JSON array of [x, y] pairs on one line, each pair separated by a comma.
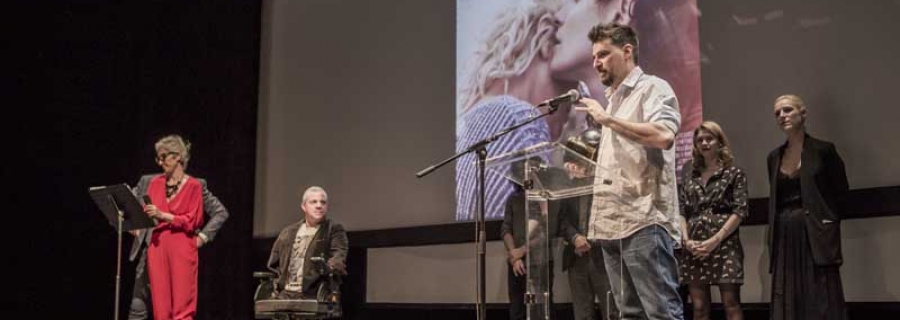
[[163, 156]]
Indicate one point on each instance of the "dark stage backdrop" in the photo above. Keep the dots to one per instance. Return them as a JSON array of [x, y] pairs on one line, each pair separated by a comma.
[[94, 85]]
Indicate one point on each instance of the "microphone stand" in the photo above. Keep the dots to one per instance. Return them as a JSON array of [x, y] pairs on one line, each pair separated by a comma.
[[119, 219], [480, 149]]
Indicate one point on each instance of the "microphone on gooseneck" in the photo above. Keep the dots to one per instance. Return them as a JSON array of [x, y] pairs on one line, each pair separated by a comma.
[[570, 96], [595, 134], [583, 90]]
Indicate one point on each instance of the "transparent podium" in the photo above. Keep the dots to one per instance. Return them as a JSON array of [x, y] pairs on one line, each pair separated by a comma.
[[549, 173]]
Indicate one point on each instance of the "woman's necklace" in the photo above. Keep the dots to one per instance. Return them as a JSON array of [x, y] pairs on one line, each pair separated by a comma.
[[172, 188]]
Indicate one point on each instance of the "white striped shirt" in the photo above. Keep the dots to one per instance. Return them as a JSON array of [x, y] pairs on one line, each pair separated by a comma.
[[635, 184]]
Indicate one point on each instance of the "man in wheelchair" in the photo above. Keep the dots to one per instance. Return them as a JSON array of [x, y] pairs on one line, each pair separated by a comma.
[[307, 261]]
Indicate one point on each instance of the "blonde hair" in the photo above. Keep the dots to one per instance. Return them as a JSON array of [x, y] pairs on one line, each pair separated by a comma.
[[725, 156], [515, 39], [174, 143], [795, 100]]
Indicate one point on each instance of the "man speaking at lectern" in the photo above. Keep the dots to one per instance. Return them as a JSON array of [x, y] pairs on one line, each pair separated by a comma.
[[635, 208]]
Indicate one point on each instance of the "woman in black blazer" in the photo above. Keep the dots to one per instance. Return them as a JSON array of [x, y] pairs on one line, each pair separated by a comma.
[[807, 187]]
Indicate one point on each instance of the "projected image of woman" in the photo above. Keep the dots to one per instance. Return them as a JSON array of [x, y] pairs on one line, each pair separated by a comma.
[[537, 49], [807, 189], [510, 75]]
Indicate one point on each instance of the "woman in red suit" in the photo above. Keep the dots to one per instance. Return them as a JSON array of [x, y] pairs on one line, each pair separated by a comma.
[[177, 207]]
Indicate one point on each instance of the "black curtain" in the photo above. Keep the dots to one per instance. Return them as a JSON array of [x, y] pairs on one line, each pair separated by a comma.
[[94, 85]]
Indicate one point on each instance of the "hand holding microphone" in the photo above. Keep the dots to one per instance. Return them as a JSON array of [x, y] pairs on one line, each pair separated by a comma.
[[149, 208], [153, 212]]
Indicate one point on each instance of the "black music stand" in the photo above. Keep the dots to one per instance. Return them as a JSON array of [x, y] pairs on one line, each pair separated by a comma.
[[125, 212]]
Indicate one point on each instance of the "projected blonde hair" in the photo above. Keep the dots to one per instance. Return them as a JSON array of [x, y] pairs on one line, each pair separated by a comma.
[[516, 37]]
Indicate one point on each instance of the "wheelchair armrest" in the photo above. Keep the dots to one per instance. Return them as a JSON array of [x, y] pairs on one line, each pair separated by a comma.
[[266, 287], [329, 291]]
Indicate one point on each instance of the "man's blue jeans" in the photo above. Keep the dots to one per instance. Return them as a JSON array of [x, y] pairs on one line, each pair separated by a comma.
[[645, 286]]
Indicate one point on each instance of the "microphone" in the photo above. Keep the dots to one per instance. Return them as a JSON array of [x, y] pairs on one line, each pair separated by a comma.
[[147, 201], [591, 135], [584, 90], [570, 96]]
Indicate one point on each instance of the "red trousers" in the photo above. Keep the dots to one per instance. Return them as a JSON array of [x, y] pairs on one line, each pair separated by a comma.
[[172, 267]]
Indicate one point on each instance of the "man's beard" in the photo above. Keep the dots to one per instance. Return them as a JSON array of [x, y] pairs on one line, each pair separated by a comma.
[[608, 81]]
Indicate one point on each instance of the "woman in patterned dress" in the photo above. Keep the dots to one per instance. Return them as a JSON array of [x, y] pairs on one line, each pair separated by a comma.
[[713, 202]]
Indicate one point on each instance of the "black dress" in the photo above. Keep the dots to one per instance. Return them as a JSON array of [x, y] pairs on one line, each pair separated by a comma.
[[800, 289]]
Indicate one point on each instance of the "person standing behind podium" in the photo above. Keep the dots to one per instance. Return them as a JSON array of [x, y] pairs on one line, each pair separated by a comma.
[[519, 232], [634, 215], [808, 186], [583, 263], [176, 205], [218, 214]]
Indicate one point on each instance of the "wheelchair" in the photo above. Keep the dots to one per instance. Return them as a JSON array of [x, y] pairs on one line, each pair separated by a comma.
[[325, 305]]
